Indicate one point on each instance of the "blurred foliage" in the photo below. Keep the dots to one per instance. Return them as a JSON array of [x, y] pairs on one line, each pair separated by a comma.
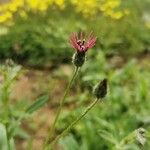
[[12, 113], [125, 109], [37, 34]]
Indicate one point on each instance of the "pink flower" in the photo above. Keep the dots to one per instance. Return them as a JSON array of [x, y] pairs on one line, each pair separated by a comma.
[[83, 42]]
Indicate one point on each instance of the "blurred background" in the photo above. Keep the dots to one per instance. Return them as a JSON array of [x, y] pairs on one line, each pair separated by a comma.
[[34, 34]]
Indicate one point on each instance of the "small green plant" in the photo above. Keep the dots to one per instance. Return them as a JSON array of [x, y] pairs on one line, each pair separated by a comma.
[[81, 44], [9, 119]]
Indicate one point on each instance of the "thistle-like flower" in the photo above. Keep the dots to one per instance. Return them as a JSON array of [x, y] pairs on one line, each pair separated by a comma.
[[81, 44]]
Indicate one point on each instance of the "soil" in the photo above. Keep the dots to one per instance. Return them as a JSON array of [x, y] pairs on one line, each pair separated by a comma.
[[32, 84]]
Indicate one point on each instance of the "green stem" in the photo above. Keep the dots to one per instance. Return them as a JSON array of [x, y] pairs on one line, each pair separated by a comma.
[[5, 100], [74, 122], [51, 131]]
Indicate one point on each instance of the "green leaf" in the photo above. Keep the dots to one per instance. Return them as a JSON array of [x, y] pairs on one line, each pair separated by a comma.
[[69, 143], [11, 144], [108, 136], [37, 104], [3, 138]]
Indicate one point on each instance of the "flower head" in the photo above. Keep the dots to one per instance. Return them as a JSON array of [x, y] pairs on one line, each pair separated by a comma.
[[81, 43]]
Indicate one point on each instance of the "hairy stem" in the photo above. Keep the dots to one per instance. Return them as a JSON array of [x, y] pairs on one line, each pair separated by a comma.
[[51, 131], [74, 122]]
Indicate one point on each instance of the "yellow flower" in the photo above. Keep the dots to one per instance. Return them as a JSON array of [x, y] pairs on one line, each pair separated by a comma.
[[33, 4], [88, 8], [109, 4], [36, 5], [59, 3], [5, 17]]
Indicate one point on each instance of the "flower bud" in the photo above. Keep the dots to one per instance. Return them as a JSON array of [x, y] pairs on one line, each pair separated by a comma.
[[100, 89], [78, 59]]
